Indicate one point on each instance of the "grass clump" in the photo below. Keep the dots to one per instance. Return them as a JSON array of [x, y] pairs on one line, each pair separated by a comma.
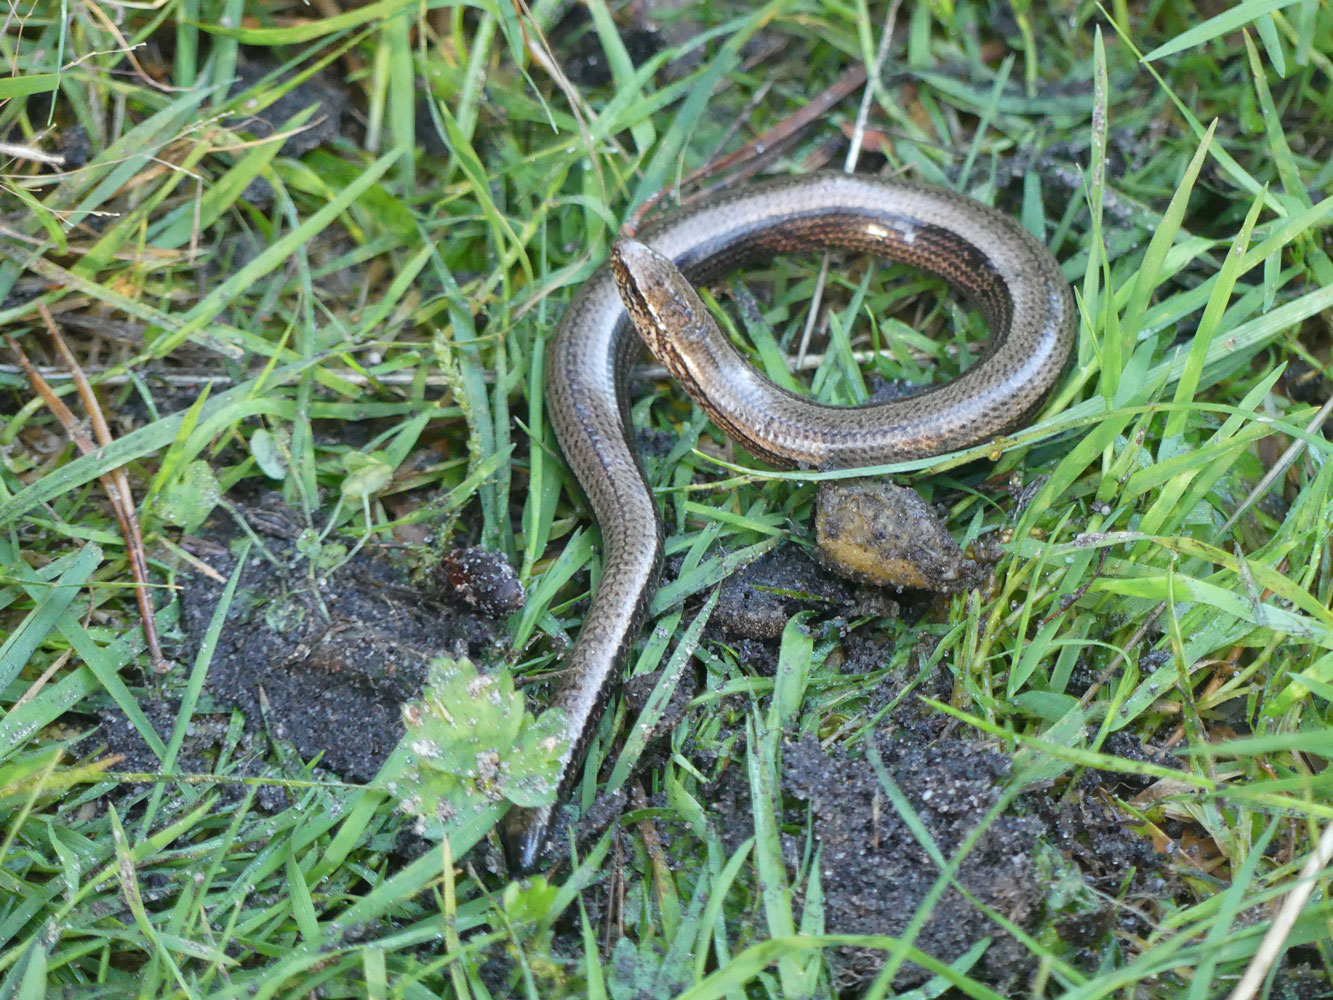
[[308, 260]]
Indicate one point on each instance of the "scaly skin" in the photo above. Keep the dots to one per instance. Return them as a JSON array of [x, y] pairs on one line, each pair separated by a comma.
[[983, 254]]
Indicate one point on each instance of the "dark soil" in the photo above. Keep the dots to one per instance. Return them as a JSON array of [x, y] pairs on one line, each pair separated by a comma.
[[1052, 864], [319, 659], [757, 601], [876, 874], [333, 655]]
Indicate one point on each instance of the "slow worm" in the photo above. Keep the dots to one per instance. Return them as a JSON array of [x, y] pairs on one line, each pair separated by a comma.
[[983, 254]]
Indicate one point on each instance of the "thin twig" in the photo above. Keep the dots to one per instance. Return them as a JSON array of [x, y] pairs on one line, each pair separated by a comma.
[[540, 49], [117, 485], [1279, 467], [849, 166], [115, 481], [1271, 946], [863, 112], [755, 153], [740, 118], [36, 686], [29, 153], [128, 51]]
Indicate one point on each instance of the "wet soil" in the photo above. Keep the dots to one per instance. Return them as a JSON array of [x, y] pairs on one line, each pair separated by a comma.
[[317, 657], [1057, 866], [876, 874], [757, 601]]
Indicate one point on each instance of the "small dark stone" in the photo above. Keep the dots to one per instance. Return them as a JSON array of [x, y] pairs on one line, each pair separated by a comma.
[[320, 90], [482, 579], [75, 147], [757, 600]]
